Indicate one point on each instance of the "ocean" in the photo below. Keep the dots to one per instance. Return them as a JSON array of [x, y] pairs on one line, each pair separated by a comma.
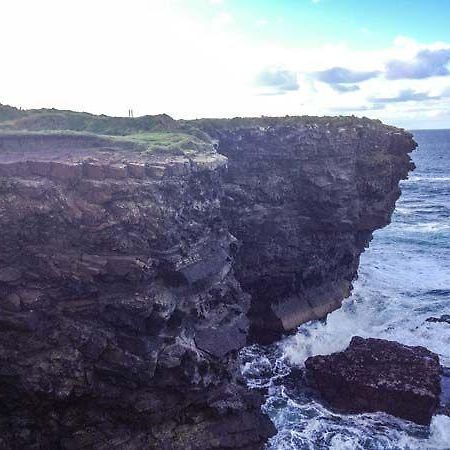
[[404, 278]]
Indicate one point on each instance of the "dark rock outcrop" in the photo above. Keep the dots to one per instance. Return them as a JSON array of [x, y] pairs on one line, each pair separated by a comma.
[[445, 318], [303, 196], [445, 392], [120, 313], [378, 375], [129, 279]]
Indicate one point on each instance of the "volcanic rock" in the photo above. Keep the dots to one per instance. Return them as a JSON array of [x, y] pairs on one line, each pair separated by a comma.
[[131, 275], [445, 318], [303, 196], [378, 375], [445, 392]]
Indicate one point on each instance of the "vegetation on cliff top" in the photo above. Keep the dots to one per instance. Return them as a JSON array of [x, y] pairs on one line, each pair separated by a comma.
[[153, 133], [146, 133], [52, 119], [171, 141]]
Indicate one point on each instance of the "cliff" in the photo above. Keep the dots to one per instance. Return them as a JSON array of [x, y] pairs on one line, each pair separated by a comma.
[[303, 196], [133, 267]]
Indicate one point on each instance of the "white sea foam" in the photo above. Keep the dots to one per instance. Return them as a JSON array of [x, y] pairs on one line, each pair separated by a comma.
[[322, 339], [440, 433], [426, 227], [382, 307], [392, 300], [404, 279], [417, 178], [395, 294]]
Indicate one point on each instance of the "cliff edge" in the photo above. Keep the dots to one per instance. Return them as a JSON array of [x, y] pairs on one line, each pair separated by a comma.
[[303, 197], [139, 255]]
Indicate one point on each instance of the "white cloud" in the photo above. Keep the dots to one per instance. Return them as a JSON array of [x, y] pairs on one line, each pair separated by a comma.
[[277, 80], [425, 64], [157, 56]]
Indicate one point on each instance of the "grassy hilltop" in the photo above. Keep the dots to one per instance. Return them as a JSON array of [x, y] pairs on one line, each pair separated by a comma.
[[148, 133]]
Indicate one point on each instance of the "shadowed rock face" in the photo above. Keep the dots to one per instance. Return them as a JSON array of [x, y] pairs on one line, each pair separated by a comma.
[[445, 392], [129, 281], [379, 375], [120, 315], [303, 197]]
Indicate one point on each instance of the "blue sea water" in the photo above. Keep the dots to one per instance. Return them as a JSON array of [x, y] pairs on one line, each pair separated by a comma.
[[404, 278]]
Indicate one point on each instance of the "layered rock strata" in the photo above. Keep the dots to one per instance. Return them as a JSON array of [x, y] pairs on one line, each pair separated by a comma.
[[130, 279], [303, 197], [120, 313]]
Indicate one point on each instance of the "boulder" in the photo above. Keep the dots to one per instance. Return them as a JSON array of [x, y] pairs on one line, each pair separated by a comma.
[[379, 375]]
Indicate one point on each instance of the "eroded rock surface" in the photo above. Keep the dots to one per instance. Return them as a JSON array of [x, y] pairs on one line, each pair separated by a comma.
[[303, 196], [378, 375], [120, 312], [129, 280]]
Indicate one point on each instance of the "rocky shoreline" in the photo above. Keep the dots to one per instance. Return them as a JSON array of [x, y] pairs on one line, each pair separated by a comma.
[[129, 279]]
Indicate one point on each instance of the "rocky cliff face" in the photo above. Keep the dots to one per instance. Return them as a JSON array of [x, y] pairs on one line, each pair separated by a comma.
[[120, 312], [303, 196], [129, 280]]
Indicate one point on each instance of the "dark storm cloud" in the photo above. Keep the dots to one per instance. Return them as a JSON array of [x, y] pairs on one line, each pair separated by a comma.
[[280, 80], [406, 95], [426, 64]]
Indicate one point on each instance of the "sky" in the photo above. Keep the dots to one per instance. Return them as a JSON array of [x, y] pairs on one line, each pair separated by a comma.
[[386, 59]]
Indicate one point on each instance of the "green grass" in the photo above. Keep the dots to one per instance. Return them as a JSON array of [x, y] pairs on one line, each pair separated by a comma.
[[144, 134], [143, 143], [52, 119], [169, 141]]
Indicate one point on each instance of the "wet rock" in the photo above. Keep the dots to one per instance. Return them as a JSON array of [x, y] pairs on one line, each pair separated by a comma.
[[445, 318], [445, 392], [378, 375]]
